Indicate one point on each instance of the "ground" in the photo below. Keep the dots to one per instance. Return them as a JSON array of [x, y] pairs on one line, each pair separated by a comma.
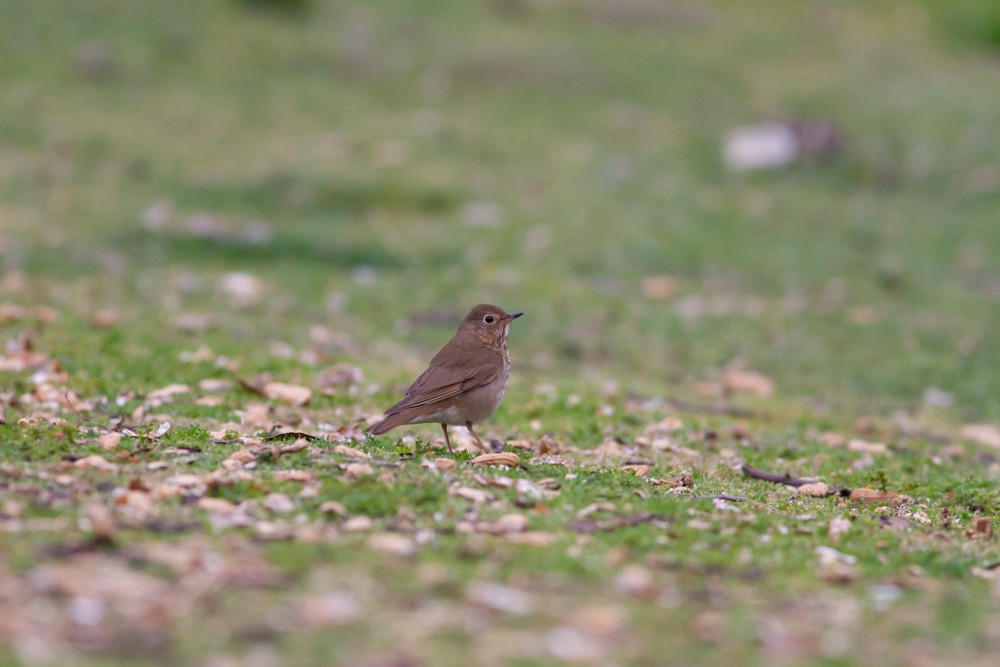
[[232, 232]]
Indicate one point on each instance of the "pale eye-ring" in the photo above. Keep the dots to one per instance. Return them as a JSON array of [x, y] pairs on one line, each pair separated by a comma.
[[488, 319]]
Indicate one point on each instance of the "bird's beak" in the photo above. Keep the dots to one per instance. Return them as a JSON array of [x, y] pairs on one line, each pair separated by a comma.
[[514, 316]]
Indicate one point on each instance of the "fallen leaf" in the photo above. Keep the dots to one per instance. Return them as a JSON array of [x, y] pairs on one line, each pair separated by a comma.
[[445, 465], [497, 459], [834, 566], [333, 507], [660, 288], [595, 507], [532, 538], [328, 609], [634, 581], [96, 462], [289, 393], [838, 527], [476, 496], [357, 524], [748, 382], [243, 290], [256, 415], [350, 451], [981, 529], [355, 470], [857, 445], [279, 503], [684, 480], [167, 393], [293, 476], [216, 505], [601, 620], [983, 434], [873, 496], [100, 521], [243, 456], [815, 489], [392, 543], [500, 598], [640, 469], [138, 504], [109, 440]]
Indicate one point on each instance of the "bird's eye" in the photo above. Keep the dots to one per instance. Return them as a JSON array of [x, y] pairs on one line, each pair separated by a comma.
[[488, 319]]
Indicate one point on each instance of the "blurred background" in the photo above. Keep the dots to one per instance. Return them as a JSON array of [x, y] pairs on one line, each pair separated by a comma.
[[668, 188]]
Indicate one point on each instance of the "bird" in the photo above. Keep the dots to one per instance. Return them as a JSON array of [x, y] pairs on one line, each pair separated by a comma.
[[465, 381]]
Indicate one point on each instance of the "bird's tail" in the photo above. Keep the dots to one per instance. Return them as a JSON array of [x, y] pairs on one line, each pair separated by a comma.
[[390, 422]]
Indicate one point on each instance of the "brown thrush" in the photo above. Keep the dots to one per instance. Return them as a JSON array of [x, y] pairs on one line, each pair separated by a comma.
[[466, 379]]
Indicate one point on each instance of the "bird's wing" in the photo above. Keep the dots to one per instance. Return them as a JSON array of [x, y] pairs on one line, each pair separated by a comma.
[[461, 371]]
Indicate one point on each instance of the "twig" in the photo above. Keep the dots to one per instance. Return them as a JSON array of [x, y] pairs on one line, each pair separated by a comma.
[[723, 496], [775, 478], [788, 480]]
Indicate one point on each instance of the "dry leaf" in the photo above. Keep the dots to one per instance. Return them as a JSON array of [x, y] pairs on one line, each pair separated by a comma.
[[242, 289], [392, 543], [293, 476], [216, 505], [279, 503], [857, 445], [96, 462], [532, 538], [595, 507], [445, 465], [476, 496], [635, 581], [497, 459], [748, 382], [355, 470], [333, 507], [109, 440], [640, 469], [660, 288], [500, 598], [289, 393], [873, 496], [981, 529], [255, 415], [838, 527], [350, 451], [167, 393], [215, 386], [834, 566], [602, 620], [610, 448], [357, 524], [815, 489], [983, 434], [102, 524], [243, 456], [328, 609], [138, 504]]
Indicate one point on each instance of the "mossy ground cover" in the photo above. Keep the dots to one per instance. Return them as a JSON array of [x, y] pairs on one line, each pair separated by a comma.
[[224, 221]]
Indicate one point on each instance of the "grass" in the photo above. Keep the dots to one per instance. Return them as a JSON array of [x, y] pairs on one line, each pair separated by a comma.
[[380, 167]]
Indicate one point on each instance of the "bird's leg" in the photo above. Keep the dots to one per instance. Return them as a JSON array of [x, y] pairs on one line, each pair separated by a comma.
[[468, 425], [447, 440]]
